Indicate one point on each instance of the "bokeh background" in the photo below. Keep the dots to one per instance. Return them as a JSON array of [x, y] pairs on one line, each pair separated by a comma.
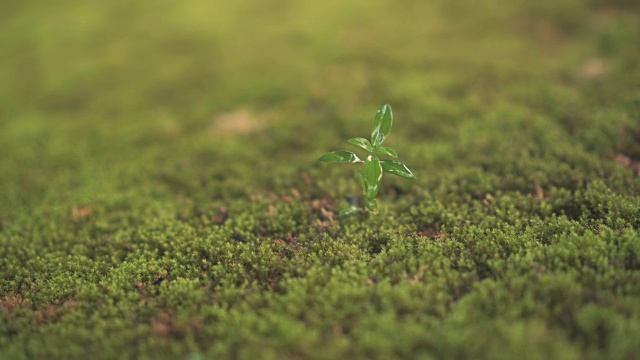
[[90, 89]]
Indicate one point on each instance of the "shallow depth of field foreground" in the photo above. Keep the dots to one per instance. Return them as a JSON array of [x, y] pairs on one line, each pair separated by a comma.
[[160, 195]]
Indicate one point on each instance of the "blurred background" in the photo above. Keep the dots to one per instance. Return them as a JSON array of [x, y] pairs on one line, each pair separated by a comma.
[[94, 95]]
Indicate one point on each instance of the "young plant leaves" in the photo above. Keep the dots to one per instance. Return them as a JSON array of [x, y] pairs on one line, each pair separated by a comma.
[[340, 156], [397, 168], [371, 205], [373, 175], [361, 142], [381, 125], [386, 151], [348, 210], [370, 178], [361, 178]]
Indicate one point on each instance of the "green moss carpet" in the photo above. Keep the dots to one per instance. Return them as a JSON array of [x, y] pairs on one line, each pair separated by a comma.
[[160, 196]]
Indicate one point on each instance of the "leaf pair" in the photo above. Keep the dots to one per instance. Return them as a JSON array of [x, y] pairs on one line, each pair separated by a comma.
[[370, 179]]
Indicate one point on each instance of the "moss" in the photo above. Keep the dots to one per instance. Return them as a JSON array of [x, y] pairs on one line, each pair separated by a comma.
[[136, 222]]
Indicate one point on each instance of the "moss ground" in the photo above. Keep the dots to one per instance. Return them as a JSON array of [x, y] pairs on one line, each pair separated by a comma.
[[159, 196]]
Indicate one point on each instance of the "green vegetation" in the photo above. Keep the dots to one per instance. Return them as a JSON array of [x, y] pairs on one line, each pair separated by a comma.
[[370, 179], [160, 199]]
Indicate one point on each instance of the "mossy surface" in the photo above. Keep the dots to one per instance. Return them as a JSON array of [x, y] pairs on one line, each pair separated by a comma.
[[159, 195]]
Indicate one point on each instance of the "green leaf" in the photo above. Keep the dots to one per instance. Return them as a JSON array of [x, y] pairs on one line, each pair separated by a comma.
[[348, 210], [381, 125], [373, 175], [362, 180], [371, 204], [386, 151], [397, 168], [361, 142], [340, 156]]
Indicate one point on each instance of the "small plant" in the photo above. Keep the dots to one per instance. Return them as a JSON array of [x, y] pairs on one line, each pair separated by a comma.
[[370, 178]]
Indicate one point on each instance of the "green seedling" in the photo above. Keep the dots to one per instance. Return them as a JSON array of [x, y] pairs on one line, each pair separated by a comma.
[[370, 178]]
